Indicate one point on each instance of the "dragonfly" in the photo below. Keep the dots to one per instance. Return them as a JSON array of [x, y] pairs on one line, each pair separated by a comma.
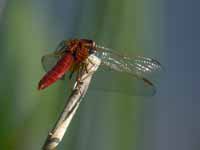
[[71, 55]]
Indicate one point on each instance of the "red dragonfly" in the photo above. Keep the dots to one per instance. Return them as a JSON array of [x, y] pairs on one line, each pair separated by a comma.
[[71, 54]]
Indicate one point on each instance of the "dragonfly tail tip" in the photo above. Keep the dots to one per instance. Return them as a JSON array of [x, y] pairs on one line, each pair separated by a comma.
[[41, 87]]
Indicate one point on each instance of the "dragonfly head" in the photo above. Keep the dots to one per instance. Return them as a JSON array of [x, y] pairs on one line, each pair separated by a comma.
[[73, 44], [89, 44]]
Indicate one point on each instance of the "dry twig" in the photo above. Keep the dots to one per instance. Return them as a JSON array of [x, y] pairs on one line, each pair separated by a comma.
[[79, 91]]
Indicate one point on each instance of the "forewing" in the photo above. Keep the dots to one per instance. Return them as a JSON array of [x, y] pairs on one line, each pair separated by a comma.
[[138, 66], [141, 70]]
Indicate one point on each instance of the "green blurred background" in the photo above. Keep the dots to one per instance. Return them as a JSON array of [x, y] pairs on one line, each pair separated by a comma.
[[104, 121], [29, 29]]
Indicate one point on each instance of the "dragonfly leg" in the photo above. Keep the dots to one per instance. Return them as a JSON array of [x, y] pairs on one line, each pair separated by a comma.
[[74, 68], [71, 74], [88, 75], [87, 70], [90, 61], [83, 67]]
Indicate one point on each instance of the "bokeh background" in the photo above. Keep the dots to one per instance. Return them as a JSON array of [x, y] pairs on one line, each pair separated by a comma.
[[167, 30]]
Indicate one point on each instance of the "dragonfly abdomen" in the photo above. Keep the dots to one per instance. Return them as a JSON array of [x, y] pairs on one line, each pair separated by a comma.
[[57, 71]]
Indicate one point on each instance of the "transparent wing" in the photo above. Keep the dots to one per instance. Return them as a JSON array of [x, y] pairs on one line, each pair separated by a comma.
[[61, 47], [139, 66], [50, 60], [137, 72]]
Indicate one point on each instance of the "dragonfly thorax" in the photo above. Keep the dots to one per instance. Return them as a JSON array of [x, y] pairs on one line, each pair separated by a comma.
[[80, 48]]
